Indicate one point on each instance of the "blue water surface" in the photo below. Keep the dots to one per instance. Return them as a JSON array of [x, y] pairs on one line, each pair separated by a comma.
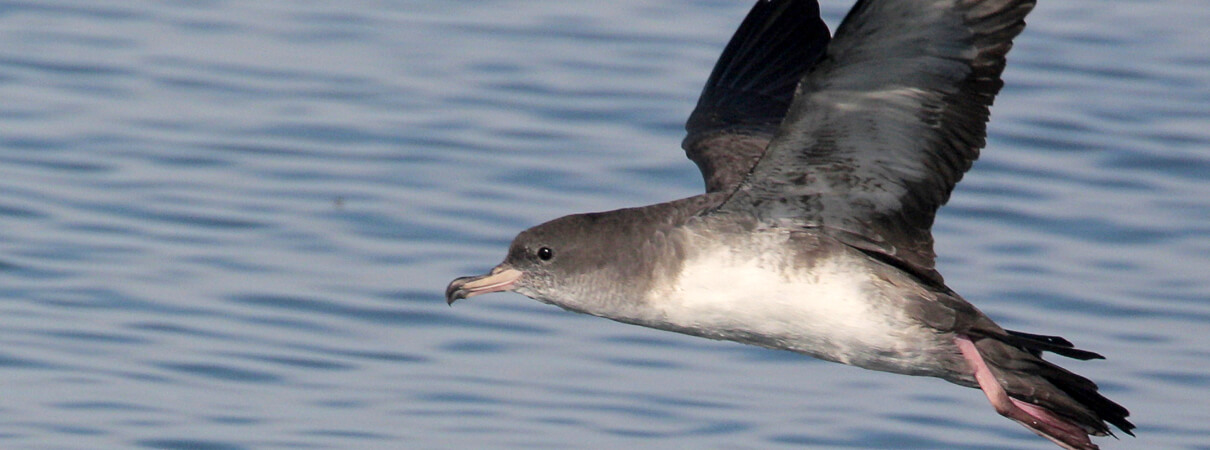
[[229, 224]]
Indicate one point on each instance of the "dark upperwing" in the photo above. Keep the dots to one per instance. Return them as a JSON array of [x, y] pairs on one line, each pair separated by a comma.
[[885, 125], [751, 88]]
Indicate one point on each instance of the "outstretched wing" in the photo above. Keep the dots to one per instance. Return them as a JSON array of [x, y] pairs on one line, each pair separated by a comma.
[[751, 87], [886, 124]]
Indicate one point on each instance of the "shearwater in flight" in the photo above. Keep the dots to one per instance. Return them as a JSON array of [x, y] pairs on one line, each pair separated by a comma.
[[825, 160]]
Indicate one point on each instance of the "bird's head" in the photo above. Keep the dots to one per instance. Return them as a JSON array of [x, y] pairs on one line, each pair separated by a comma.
[[565, 262]]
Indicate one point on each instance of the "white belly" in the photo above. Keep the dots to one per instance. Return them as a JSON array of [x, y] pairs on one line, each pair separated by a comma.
[[834, 311]]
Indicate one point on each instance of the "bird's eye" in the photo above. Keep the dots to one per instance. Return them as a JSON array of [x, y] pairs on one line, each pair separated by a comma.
[[545, 253]]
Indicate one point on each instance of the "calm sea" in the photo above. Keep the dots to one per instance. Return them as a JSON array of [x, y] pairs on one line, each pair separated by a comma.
[[229, 224]]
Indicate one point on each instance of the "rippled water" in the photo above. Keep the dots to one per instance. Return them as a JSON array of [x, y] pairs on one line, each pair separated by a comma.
[[228, 224]]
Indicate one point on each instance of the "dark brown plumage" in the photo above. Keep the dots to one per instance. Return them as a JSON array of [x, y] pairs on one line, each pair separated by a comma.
[[825, 161]]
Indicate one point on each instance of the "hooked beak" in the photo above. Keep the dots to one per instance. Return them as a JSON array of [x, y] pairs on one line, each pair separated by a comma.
[[499, 279]]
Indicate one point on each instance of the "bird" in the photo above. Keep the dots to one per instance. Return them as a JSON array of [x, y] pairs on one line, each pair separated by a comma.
[[825, 159]]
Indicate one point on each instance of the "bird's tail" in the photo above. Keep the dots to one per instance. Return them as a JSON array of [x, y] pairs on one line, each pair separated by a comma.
[[1046, 398]]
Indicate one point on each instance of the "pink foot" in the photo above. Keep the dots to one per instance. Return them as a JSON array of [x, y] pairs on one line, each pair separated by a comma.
[[1039, 420]]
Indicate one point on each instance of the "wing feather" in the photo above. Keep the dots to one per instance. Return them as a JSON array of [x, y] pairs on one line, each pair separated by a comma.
[[751, 88], [885, 125]]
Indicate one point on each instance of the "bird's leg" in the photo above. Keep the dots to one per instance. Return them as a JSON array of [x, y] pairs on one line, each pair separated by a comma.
[[1039, 420]]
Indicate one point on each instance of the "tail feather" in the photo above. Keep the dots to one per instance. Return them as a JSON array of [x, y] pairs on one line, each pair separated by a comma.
[[1037, 343], [1084, 391], [1029, 378]]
